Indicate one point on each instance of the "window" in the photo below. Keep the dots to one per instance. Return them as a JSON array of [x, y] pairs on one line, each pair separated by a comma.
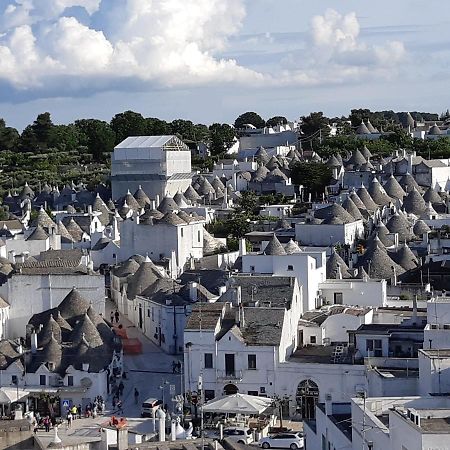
[[209, 394], [42, 380], [312, 339], [338, 298], [14, 379], [148, 312], [198, 236], [182, 232], [252, 268], [251, 362], [70, 380], [153, 314], [208, 361], [114, 256], [290, 268], [255, 393], [262, 389], [374, 347]]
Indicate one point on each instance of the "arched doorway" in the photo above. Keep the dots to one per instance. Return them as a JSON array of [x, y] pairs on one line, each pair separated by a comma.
[[230, 389], [307, 397]]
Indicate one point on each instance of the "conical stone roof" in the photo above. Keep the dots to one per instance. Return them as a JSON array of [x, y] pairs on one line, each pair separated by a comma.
[[408, 183], [405, 258], [378, 194], [414, 203], [130, 201], [365, 197], [335, 266], [142, 279], [365, 151], [181, 200], [51, 328], [66, 237], [262, 156], [44, 220], [52, 353], [260, 174], [167, 205], [398, 224], [357, 159], [74, 230], [85, 328], [73, 305], [432, 196], [356, 200], [420, 228], [352, 209], [393, 188], [38, 234], [291, 248], [274, 247], [141, 197], [332, 212]]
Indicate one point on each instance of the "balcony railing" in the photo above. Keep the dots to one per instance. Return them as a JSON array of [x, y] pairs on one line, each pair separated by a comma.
[[235, 375]]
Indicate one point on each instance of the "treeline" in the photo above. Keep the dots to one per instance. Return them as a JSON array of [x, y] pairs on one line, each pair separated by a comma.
[[98, 138]]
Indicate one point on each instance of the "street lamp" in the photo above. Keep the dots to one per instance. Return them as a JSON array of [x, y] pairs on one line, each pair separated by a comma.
[[163, 388]]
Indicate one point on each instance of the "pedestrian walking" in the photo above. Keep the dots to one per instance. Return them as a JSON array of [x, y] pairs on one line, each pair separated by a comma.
[[136, 396], [47, 423], [120, 406], [121, 388], [112, 316], [117, 315], [69, 420]]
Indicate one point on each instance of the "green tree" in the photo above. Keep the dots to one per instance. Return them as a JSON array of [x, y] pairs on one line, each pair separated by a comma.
[[65, 137], [276, 120], [248, 204], [314, 177], [98, 135], [183, 128], [42, 128], [221, 138], [157, 127], [249, 118], [128, 123], [9, 136], [314, 122]]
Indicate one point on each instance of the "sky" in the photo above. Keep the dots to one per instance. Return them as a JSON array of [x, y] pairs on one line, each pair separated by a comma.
[[211, 60]]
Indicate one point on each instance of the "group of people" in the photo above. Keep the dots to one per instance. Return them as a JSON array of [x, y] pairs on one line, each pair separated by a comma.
[[37, 421], [92, 409], [115, 316]]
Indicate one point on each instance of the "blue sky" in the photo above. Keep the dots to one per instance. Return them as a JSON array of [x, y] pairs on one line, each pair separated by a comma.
[[210, 60]]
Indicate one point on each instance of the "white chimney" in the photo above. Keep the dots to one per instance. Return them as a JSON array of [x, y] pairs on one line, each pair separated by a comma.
[[161, 415], [242, 247], [34, 342], [193, 291], [157, 200], [328, 405], [173, 430], [85, 367]]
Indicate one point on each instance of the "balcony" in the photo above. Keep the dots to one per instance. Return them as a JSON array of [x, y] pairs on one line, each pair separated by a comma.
[[235, 375]]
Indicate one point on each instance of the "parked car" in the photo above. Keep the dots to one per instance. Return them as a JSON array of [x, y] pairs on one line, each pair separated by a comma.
[[150, 406], [241, 435], [294, 441]]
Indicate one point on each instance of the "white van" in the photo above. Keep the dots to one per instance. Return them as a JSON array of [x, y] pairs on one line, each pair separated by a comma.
[[150, 406]]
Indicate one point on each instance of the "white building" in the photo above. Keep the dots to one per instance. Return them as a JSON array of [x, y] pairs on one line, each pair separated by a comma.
[[36, 286], [160, 164]]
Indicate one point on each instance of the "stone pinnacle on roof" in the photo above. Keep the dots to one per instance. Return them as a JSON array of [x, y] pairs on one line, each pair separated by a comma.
[[274, 247]]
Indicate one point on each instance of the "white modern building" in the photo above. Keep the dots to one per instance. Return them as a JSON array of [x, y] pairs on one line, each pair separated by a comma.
[[161, 165]]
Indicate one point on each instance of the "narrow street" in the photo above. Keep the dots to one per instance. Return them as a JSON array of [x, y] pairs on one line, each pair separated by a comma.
[[150, 372]]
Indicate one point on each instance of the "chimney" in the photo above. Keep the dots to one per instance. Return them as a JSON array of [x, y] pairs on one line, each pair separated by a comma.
[[328, 405], [157, 200], [161, 415], [394, 276], [242, 247], [122, 439], [414, 305], [34, 342], [173, 430], [153, 204], [193, 291], [90, 209]]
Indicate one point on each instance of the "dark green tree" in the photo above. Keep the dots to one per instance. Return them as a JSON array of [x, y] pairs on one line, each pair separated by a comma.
[[313, 176], [128, 123], [248, 204], [42, 128], [157, 127], [9, 136], [249, 118], [313, 123], [221, 138], [183, 128], [98, 135], [276, 120]]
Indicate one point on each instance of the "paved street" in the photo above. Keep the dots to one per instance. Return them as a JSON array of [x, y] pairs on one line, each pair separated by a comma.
[[148, 372]]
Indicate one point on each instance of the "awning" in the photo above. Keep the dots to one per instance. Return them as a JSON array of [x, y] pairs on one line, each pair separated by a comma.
[[12, 394], [238, 404]]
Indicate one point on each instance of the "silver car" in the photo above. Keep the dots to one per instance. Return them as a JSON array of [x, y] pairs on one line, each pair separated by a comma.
[[294, 441]]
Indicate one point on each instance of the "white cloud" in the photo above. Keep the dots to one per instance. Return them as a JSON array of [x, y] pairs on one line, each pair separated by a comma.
[[168, 43]]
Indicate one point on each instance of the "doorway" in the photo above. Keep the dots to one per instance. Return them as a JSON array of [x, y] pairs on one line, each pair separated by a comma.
[[307, 398]]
